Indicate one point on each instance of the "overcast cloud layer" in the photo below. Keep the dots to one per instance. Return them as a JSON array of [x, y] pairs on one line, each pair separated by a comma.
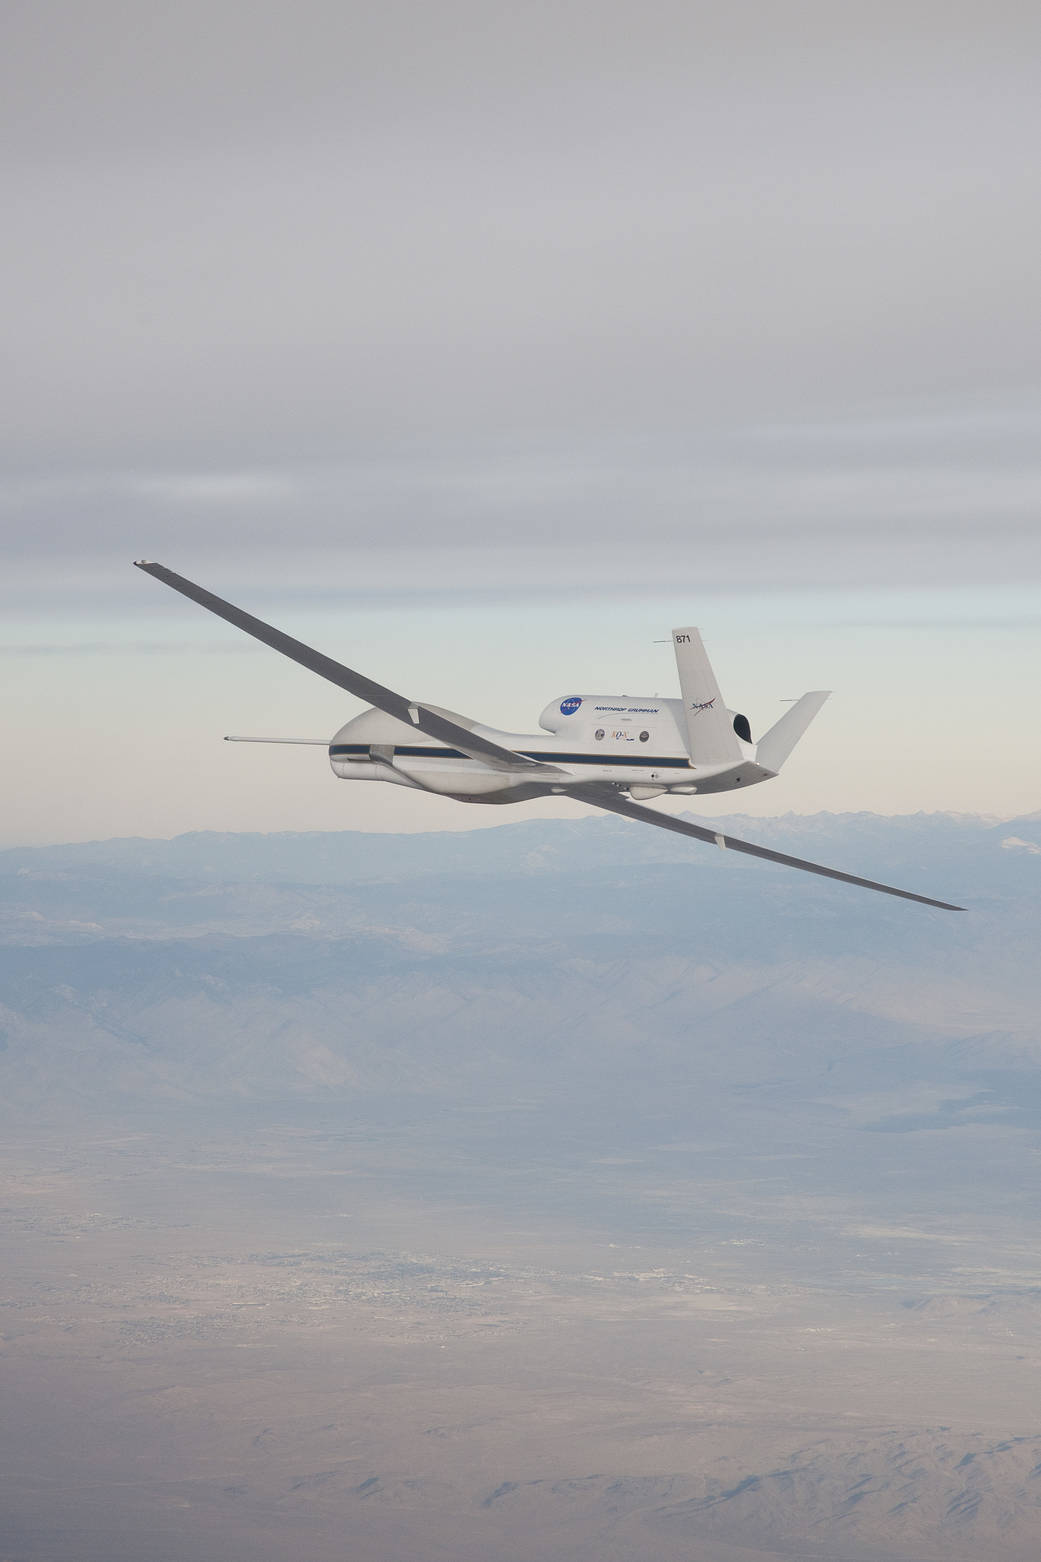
[[478, 344], [437, 294]]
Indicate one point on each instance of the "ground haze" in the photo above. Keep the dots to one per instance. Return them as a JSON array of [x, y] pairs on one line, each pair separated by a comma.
[[551, 1192]]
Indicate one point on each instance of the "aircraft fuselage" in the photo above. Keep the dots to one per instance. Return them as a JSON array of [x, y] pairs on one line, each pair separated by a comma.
[[631, 742]]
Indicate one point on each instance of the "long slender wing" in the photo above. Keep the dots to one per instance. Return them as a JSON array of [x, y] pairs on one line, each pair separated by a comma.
[[418, 716], [607, 798]]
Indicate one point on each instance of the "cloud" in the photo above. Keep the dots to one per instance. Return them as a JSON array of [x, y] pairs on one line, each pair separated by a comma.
[[214, 490], [551, 296], [927, 500], [124, 648]]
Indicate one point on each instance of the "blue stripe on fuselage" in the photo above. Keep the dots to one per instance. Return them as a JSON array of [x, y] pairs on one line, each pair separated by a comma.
[[415, 751]]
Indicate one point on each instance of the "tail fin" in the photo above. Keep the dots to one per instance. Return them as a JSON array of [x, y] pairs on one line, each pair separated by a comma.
[[777, 744], [711, 738]]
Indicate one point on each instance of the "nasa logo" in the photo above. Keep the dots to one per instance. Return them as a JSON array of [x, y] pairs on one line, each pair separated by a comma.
[[705, 704], [569, 706]]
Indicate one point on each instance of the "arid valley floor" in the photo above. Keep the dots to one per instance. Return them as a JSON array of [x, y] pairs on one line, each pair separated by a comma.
[[704, 1287]]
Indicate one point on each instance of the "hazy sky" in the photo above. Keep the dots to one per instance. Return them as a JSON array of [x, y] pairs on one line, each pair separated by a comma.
[[481, 344]]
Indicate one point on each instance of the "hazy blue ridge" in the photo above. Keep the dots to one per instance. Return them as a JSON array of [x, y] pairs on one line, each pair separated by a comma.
[[551, 947]]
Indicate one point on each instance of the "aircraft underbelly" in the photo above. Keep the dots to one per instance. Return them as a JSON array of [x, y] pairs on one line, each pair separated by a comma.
[[466, 778], [459, 777]]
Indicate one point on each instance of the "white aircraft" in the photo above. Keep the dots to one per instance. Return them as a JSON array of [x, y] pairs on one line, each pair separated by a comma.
[[609, 750]]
